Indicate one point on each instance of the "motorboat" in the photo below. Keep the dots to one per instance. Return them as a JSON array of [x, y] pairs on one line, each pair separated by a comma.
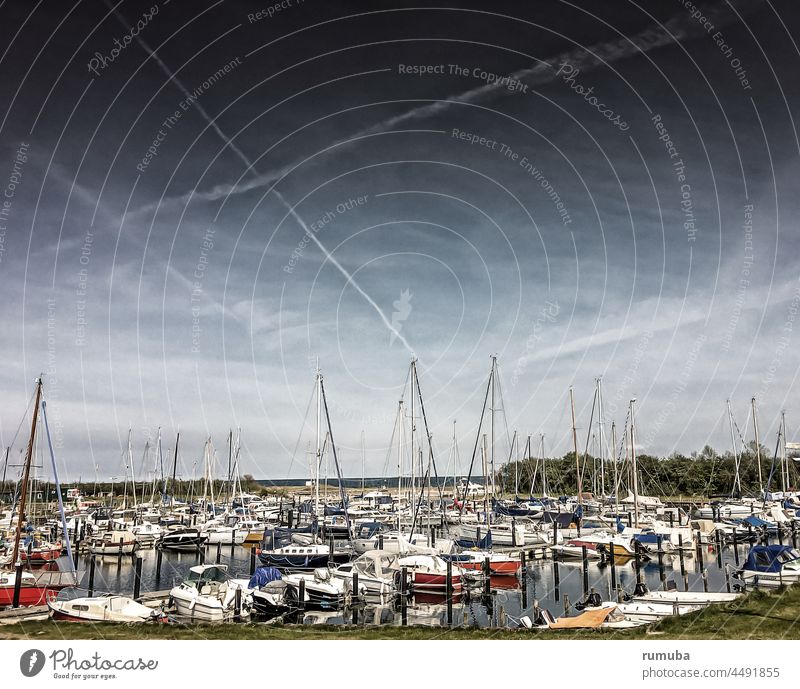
[[429, 573], [296, 556], [377, 571], [320, 590], [597, 545], [182, 539], [103, 609], [701, 598], [476, 560], [112, 543], [771, 566], [146, 533], [209, 595]]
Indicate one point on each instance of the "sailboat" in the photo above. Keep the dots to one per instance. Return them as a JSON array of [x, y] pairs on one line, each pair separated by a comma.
[[33, 589]]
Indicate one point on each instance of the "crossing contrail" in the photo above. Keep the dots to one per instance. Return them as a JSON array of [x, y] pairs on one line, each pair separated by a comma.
[[252, 169]]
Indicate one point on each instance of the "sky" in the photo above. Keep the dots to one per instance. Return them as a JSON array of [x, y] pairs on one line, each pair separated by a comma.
[[203, 205]]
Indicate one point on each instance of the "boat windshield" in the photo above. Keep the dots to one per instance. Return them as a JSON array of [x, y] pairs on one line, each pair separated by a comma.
[[210, 574], [788, 555]]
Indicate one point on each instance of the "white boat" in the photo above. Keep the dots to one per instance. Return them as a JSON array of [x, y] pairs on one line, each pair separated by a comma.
[[112, 543], [377, 570], [771, 566], [686, 597], [209, 595], [146, 533], [320, 589], [651, 611], [103, 609]]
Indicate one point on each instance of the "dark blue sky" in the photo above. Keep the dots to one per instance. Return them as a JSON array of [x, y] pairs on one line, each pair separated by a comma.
[[198, 216]]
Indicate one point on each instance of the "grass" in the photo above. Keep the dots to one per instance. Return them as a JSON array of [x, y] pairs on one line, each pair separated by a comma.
[[757, 615]]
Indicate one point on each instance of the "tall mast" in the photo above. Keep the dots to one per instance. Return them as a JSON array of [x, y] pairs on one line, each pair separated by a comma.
[[363, 462], [413, 430], [758, 445], [491, 447], [544, 465], [319, 447], [736, 479], [578, 477], [175, 468], [784, 462], [400, 432], [23, 493], [601, 435], [633, 467], [485, 456], [130, 461], [616, 466]]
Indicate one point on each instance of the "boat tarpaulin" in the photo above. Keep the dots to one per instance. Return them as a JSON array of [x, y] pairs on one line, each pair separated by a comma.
[[590, 619], [262, 576]]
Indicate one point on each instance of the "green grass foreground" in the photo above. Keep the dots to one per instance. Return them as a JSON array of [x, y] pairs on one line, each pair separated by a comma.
[[757, 615]]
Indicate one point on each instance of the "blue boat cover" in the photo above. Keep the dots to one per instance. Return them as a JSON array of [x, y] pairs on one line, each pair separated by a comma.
[[755, 521], [769, 558], [484, 544], [262, 576]]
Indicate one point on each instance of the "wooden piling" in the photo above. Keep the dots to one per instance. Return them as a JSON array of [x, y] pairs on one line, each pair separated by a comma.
[[449, 592], [380, 541], [237, 605], [219, 552], [119, 554], [681, 555], [137, 577], [159, 555], [404, 596], [91, 576], [566, 604], [17, 584], [355, 598], [613, 562], [556, 580], [585, 560], [252, 560], [302, 593], [487, 573]]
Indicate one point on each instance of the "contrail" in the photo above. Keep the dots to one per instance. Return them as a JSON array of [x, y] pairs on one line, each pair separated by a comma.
[[677, 29], [251, 168]]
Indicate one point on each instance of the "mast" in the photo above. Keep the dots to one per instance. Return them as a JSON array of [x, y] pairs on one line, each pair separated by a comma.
[[736, 479], [413, 429], [130, 461], [784, 462], [23, 493], [175, 468], [578, 477], [633, 468], [758, 445], [616, 466], [400, 433], [491, 447], [544, 465], [601, 435], [484, 457], [318, 455], [363, 462]]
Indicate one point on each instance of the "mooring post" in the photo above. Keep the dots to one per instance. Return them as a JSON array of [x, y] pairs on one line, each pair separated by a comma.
[[613, 561], [513, 532], [119, 554], [556, 580], [355, 598], [17, 584], [585, 559], [555, 533], [302, 594], [794, 533], [780, 535], [233, 540], [330, 551], [237, 605], [566, 604], [380, 541], [680, 554], [487, 573], [219, 552], [201, 555], [159, 555], [433, 536], [137, 577], [727, 578], [403, 596], [91, 576], [252, 560], [705, 580], [478, 537], [449, 592]]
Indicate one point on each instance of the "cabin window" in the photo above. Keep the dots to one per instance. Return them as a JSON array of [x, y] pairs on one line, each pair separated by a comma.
[[82, 608], [763, 559]]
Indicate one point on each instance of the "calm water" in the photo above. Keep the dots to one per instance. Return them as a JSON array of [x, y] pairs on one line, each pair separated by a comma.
[[550, 582]]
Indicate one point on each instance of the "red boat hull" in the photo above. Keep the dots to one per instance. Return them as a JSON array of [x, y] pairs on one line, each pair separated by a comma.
[[41, 555], [436, 582], [28, 595], [500, 567]]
